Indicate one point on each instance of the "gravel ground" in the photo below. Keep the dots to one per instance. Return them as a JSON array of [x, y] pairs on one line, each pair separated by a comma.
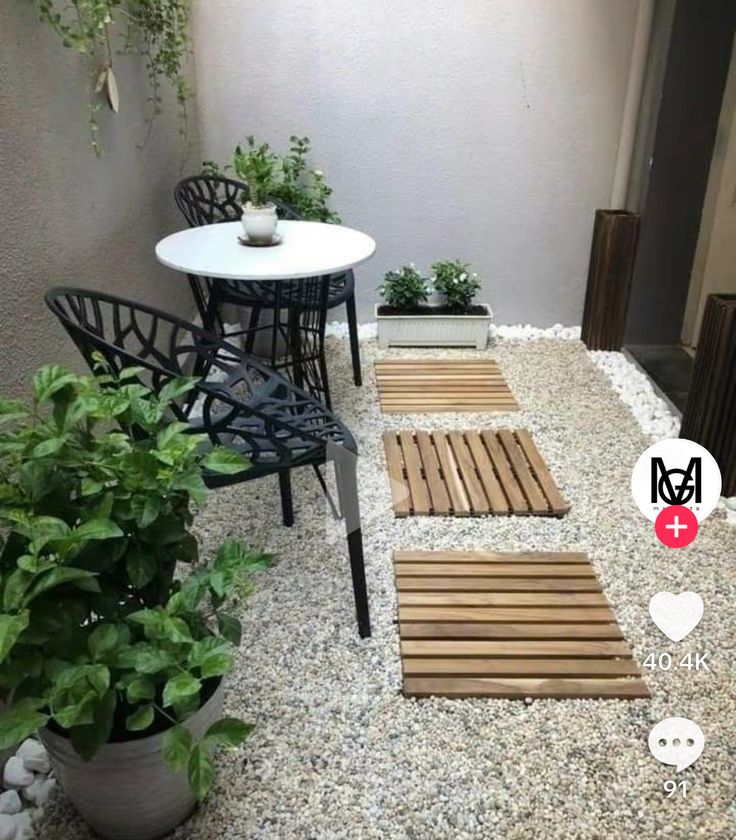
[[339, 753]]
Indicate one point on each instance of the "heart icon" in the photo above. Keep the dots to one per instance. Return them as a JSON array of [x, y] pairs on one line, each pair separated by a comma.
[[676, 615]]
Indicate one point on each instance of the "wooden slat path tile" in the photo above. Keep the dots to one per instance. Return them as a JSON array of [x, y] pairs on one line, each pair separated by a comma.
[[421, 386], [486, 624], [470, 473]]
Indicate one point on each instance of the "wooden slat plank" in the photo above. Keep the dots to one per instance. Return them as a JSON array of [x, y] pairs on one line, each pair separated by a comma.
[[530, 570], [413, 466], [507, 687], [420, 666], [551, 557], [566, 615], [409, 583], [565, 600], [458, 497], [494, 492], [528, 484], [437, 489], [517, 502], [399, 487], [466, 469], [557, 504], [441, 648], [468, 630]]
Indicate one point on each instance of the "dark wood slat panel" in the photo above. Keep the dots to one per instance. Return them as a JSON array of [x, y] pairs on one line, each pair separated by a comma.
[[519, 667], [509, 688], [473, 632], [567, 615], [411, 583], [477, 648], [467, 630], [413, 467], [530, 570], [431, 465], [552, 557], [557, 504], [394, 463], [420, 386], [566, 600], [470, 474]]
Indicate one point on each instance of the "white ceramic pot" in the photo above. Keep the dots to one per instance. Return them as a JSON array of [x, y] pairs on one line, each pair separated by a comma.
[[434, 330], [126, 791], [259, 223]]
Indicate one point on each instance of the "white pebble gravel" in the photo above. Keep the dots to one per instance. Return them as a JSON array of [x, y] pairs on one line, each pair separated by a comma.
[[339, 752], [8, 827]]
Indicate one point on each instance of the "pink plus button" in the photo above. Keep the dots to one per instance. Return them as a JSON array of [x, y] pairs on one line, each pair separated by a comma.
[[676, 526]]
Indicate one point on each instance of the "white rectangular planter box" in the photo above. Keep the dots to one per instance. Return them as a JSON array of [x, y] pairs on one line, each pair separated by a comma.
[[434, 330]]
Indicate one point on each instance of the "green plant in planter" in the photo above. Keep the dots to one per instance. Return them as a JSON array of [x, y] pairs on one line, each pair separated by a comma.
[[97, 636], [453, 280], [257, 166], [405, 288], [295, 182]]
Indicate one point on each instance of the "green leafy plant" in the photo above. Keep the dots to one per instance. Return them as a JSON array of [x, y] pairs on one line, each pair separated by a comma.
[[294, 181], [405, 288], [98, 637], [257, 167], [155, 29], [453, 280]]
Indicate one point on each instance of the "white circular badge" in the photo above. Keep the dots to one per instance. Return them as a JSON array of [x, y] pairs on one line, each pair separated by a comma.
[[676, 471]]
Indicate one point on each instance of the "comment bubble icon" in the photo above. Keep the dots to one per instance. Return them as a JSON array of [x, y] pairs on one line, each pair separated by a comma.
[[677, 741]]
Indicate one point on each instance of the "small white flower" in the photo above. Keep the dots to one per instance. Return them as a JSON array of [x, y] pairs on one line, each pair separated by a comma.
[[463, 276], [319, 173]]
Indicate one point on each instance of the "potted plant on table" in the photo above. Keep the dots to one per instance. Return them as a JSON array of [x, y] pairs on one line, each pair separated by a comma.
[[112, 658], [257, 167], [406, 319]]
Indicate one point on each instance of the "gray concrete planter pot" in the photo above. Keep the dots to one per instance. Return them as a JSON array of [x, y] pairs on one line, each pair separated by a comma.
[[434, 330], [126, 792]]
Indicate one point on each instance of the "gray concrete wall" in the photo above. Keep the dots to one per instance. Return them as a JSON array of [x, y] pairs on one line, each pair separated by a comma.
[[480, 129], [66, 217]]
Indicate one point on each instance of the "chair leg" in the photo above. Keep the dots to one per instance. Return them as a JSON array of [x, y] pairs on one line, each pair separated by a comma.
[[354, 344], [250, 335], [287, 506], [326, 398], [347, 488]]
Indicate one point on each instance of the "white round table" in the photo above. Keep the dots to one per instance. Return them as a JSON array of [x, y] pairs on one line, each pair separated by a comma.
[[307, 249], [309, 254]]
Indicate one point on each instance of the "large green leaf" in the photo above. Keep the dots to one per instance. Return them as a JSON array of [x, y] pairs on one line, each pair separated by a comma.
[[193, 484], [102, 640], [141, 567], [180, 686], [19, 720], [229, 627], [48, 447], [60, 575], [201, 771], [145, 509], [96, 529], [216, 665], [177, 746], [175, 388], [87, 739], [49, 380], [152, 660], [16, 586], [11, 626], [228, 732], [140, 719], [225, 461], [141, 688], [12, 410]]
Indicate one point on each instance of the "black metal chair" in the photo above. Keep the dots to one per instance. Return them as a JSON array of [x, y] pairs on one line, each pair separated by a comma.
[[209, 199], [238, 402]]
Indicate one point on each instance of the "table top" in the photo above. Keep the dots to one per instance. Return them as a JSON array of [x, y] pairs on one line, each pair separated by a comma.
[[307, 249]]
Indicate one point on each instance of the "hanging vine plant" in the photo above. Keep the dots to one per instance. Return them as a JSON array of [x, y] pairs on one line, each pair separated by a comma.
[[100, 30]]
